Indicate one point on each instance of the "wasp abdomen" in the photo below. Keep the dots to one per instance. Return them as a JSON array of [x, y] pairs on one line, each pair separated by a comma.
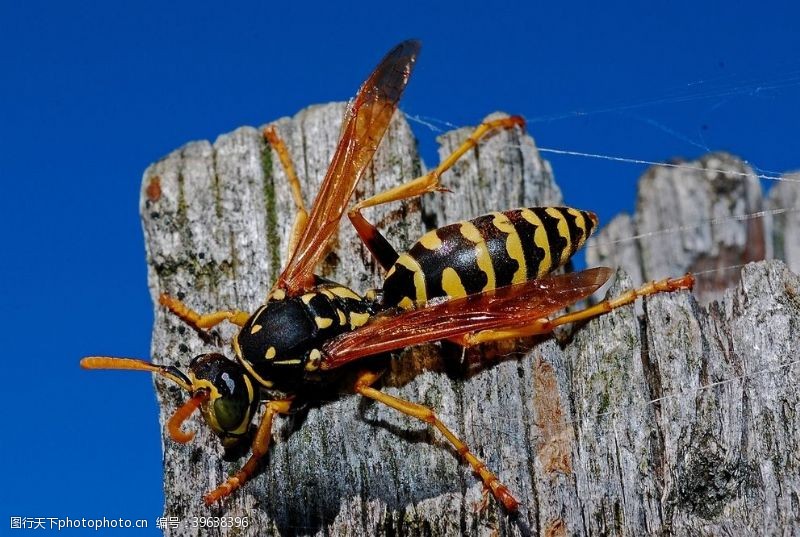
[[488, 252]]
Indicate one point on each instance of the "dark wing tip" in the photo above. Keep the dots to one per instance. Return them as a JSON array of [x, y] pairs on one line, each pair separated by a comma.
[[409, 47], [389, 79]]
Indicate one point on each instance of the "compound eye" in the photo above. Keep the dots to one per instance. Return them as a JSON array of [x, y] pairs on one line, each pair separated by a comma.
[[232, 407], [232, 412]]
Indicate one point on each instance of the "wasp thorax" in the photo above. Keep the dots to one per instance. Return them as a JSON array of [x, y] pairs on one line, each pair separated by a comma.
[[281, 341], [231, 401], [280, 330]]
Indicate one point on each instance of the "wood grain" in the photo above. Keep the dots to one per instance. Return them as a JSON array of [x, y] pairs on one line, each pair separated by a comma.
[[684, 421]]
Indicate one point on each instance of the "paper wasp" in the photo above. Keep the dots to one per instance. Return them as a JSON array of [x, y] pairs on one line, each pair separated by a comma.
[[470, 282]]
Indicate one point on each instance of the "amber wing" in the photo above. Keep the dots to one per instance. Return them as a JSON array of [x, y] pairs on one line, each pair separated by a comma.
[[507, 307], [365, 123]]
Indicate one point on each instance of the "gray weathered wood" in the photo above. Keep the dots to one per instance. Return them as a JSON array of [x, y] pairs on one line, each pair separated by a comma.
[[685, 222], [784, 199], [572, 429]]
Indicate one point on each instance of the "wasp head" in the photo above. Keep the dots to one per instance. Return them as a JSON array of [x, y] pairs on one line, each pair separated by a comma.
[[228, 397], [219, 387]]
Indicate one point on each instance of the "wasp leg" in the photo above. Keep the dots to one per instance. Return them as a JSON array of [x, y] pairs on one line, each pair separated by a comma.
[[380, 248], [201, 322], [259, 449], [423, 413], [544, 326], [301, 219], [430, 181]]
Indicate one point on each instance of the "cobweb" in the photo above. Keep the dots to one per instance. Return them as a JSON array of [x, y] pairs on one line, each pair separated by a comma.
[[599, 153], [753, 116]]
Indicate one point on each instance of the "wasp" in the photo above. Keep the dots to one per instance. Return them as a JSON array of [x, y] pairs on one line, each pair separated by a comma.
[[470, 282]]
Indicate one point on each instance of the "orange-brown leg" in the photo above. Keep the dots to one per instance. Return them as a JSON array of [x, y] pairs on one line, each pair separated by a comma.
[[372, 238], [430, 181], [543, 326], [423, 413], [259, 450], [199, 321], [301, 219]]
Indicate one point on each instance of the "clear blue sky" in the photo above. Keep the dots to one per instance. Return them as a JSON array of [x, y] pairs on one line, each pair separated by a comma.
[[92, 92]]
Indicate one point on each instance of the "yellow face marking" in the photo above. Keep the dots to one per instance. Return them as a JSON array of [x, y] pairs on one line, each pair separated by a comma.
[[372, 294], [323, 322], [344, 292], [358, 319], [419, 278], [199, 384], [314, 359], [255, 328], [306, 298], [213, 395], [431, 241], [342, 318], [406, 303], [270, 354], [513, 246], [563, 230], [451, 283], [540, 240]]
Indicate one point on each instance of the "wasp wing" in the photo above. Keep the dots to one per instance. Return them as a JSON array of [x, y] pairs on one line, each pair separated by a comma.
[[512, 306], [365, 123]]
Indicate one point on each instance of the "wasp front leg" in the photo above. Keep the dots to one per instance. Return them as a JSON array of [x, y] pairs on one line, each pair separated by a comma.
[[259, 449], [423, 413], [380, 248], [198, 321]]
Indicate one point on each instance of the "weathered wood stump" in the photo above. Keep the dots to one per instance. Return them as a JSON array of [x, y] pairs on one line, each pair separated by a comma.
[[684, 421]]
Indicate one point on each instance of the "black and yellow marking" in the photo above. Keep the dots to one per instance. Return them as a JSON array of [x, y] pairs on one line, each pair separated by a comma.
[[314, 360], [358, 319], [280, 342], [485, 253]]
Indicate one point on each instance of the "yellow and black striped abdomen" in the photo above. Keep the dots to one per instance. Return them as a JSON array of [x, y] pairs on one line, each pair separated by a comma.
[[487, 252]]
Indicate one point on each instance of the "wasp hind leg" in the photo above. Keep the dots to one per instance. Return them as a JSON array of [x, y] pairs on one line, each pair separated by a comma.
[[258, 451], [430, 181], [301, 219], [544, 326], [381, 250], [423, 413]]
